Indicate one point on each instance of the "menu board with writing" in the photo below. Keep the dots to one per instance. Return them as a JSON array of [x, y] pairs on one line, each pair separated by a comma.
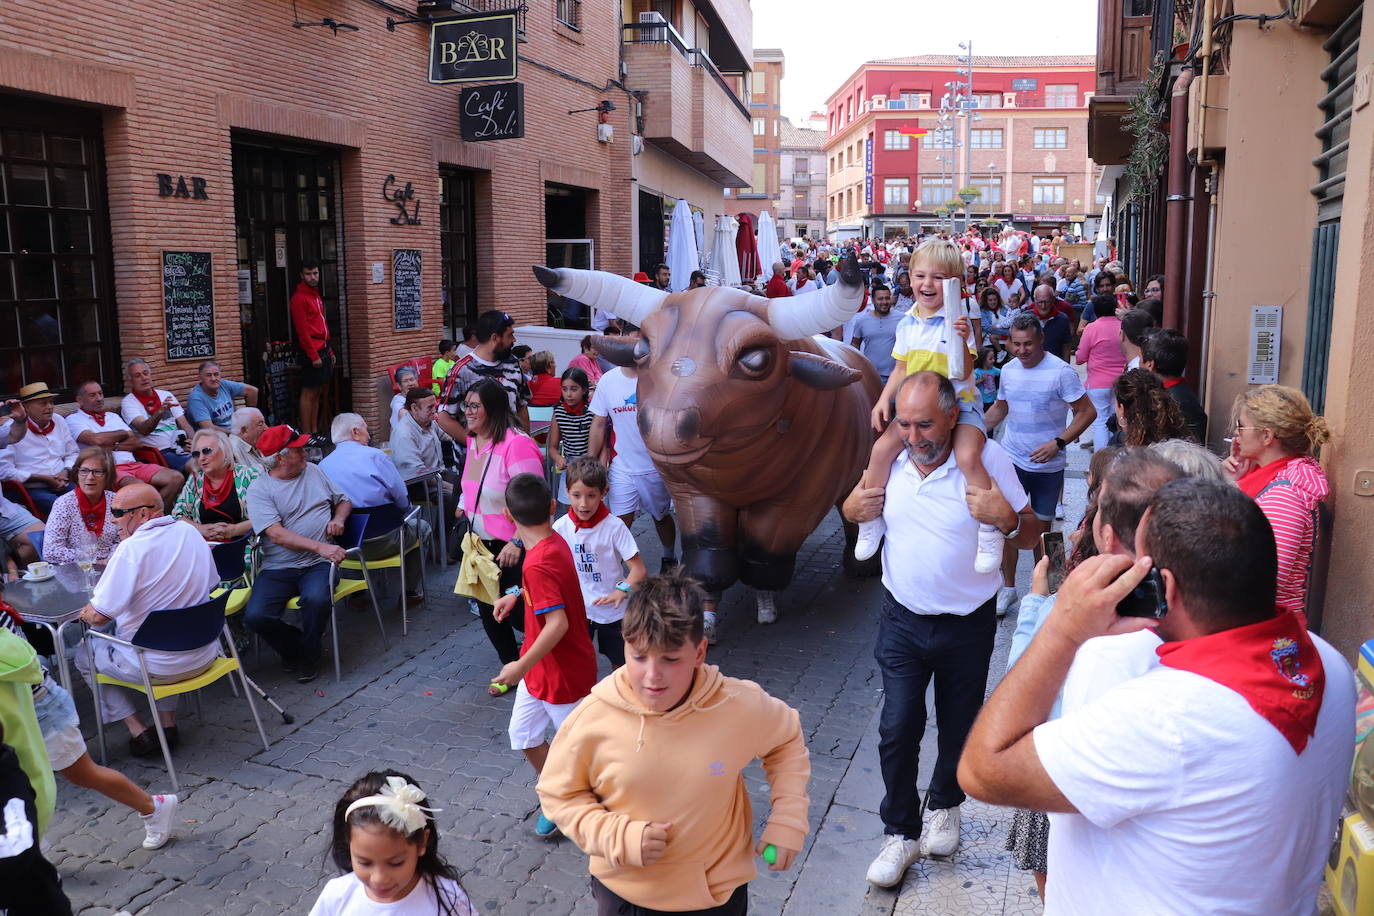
[[405, 288], [188, 304]]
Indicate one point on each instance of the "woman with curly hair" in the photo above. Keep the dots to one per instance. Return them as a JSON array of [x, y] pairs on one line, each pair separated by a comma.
[[1271, 459], [1145, 412]]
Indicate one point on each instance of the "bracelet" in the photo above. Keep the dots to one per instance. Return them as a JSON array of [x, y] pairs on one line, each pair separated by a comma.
[[513, 590], [1011, 535], [623, 586], [518, 543]]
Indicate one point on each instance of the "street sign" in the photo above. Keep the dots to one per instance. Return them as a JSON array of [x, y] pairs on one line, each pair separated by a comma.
[[473, 49]]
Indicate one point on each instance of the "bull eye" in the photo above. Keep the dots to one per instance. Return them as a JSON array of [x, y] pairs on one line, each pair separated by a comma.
[[756, 360], [641, 351]]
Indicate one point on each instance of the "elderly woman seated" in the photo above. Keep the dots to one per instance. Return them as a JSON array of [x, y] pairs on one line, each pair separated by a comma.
[[215, 498], [81, 520]]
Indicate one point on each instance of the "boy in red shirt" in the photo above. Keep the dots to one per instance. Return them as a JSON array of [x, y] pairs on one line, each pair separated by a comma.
[[557, 666]]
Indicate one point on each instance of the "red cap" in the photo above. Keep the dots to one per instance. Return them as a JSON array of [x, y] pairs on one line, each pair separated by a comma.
[[275, 438], [641, 277]]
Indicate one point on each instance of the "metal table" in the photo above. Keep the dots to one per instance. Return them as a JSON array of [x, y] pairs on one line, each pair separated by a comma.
[[52, 604], [435, 479]]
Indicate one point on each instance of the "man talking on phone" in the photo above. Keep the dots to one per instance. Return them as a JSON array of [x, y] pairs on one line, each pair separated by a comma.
[[1212, 782]]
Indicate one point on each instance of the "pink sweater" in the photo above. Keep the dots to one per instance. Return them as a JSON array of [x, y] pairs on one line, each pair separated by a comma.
[[513, 455], [1100, 350]]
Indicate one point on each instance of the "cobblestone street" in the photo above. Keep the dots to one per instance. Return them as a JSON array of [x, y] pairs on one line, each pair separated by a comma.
[[252, 831]]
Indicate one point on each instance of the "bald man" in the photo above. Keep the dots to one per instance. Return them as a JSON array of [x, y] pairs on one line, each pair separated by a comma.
[[160, 564]]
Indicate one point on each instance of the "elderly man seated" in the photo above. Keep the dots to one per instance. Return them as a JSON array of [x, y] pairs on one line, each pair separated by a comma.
[[248, 425], [295, 508], [211, 401], [93, 425], [156, 415], [160, 564], [373, 485], [416, 449], [42, 458]]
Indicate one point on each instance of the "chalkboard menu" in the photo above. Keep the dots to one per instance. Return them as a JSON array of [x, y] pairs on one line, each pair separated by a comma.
[[405, 288], [188, 304], [492, 112], [279, 358]]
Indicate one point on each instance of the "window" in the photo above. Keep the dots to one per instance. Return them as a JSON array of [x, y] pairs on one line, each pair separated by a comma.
[[936, 191], [803, 230], [987, 100], [760, 82], [939, 138], [832, 165], [1048, 190], [895, 139], [986, 138], [569, 12], [775, 128], [910, 100], [1051, 138], [1062, 95], [759, 127], [760, 185], [989, 192], [896, 192]]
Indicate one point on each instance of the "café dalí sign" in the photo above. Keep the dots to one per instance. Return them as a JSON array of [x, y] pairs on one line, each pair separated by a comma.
[[469, 49], [495, 112]]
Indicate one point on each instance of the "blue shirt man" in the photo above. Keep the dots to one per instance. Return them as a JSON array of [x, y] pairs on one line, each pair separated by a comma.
[[211, 401], [366, 475]]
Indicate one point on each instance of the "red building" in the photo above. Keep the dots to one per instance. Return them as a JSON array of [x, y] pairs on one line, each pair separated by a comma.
[[1024, 148]]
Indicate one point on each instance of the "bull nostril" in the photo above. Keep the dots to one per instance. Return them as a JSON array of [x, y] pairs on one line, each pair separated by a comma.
[[688, 425]]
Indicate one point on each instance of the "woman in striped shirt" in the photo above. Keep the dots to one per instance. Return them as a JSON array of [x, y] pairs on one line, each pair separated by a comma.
[[1271, 460], [572, 424]]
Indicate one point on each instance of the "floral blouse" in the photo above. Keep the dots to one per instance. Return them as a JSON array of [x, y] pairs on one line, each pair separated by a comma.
[[64, 530]]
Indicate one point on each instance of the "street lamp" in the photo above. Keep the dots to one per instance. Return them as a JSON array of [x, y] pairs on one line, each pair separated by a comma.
[[992, 168]]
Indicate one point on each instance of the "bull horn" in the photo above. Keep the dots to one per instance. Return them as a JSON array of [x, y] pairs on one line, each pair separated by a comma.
[[621, 297], [796, 317]]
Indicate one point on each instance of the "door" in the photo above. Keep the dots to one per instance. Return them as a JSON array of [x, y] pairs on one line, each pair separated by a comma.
[[458, 250], [286, 211]]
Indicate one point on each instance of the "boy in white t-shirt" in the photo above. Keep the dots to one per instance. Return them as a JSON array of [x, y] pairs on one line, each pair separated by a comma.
[[599, 542]]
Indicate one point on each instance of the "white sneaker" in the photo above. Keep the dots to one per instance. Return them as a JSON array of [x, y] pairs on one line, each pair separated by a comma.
[[1059, 510], [1006, 597], [157, 827], [940, 837], [990, 543], [768, 610], [709, 628], [870, 536], [896, 857]]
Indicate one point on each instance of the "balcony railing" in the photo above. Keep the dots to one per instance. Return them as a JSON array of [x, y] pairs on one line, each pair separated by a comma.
[[496, 6], [652, 33]]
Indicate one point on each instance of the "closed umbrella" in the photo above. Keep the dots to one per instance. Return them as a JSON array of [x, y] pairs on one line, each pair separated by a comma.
[[723, 265], [699, 228], [747, 249], [682, 248], [768, 243]]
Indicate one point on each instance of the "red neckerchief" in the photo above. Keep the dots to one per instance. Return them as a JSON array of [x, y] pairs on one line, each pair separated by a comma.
[[42, 432], [577, 411], [150, 401], [213, 496], [596, 519], [1171, 382], [99, 418], [1252, 484], [92, 513], [1273, 664], [8, 609]]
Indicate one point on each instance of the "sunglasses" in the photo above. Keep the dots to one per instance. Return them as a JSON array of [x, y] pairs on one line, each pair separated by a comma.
[[201, 453], [120, 513]]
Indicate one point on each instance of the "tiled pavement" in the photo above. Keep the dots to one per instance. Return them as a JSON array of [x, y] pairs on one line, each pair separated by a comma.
[[253, 831]]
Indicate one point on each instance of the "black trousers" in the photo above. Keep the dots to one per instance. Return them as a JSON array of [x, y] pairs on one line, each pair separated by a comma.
[[501, 633], [911, 650], [609, 904]]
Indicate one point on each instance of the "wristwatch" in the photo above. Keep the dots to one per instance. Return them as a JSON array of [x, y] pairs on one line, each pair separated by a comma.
[[521, 544], [1061, 443], [513, 590], [623, 586], [1011, 535]]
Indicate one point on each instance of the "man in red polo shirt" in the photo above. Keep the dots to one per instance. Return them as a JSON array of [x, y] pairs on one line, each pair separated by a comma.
[[312, 341]]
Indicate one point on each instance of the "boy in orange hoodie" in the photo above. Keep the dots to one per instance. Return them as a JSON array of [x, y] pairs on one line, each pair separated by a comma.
[[646, 775]]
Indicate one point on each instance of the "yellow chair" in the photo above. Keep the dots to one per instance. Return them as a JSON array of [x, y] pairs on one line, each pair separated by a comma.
[[355, 526], [176, 630]]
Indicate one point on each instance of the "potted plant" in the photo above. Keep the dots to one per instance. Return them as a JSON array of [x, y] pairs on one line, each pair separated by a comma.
[[991, 223], [968, 194], [942, 211]]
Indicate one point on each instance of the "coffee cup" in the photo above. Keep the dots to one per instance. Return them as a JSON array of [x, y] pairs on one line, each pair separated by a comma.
[[39, 569]]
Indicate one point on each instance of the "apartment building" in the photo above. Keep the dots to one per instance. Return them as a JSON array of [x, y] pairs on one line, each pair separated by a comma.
[[801, 184], [1024, 147]]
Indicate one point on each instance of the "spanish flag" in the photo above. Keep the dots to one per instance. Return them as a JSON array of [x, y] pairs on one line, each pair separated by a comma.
[[912, 131]]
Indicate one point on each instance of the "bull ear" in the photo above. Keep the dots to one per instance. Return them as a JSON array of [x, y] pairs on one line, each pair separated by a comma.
[[616, 350], [819, 372]]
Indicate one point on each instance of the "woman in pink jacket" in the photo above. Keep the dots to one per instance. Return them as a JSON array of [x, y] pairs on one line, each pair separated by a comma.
[[1099, 349]]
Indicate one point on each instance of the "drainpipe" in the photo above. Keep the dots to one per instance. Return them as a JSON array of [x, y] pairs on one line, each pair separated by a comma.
[[1213, 180], [1176, 204]]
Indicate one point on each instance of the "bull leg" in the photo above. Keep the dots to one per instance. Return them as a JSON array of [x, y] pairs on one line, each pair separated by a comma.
[[709, 541], [770, 539]]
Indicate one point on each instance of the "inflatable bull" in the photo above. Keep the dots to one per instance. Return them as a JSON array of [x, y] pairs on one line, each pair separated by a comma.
[[756, 425]]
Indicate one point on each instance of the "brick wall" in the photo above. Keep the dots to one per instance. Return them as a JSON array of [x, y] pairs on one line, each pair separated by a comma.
[[177, 82]]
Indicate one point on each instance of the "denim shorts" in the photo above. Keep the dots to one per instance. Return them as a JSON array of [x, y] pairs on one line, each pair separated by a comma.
[[1043, 489], [970, 415]]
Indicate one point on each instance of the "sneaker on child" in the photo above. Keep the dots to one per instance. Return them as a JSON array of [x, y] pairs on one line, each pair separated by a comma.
[[990, 542], [157, 827], [870, 536]]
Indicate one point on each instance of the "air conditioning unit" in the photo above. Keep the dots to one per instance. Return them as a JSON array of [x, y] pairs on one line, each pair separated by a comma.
[[653, 17], [880, 102]]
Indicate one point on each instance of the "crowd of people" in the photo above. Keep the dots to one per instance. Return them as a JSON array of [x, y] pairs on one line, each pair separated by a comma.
[[1161, 675]]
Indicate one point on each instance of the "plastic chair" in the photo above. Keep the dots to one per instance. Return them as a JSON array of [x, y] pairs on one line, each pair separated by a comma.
[[176, 630], [16, 492], [234, 569], [149, 455], [355, 528], [382, 525], [36, 538]]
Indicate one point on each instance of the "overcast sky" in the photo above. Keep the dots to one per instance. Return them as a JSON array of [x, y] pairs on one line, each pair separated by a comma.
[[824, 43]]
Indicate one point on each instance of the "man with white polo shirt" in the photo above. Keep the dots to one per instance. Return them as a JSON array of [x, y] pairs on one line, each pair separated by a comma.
[[635, 484], [156, 415], [938, 618], [1037, 391], [93, 425], [42, 458]]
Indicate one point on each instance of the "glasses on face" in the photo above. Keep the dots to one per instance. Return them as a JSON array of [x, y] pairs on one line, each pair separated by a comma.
[[1240, 428], [472, 407], [90, 472], [120, 513], [203, 452]]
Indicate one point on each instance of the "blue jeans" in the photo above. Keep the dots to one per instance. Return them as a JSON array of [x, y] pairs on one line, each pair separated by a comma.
[[43, 498], [911, 649], [271, 590]]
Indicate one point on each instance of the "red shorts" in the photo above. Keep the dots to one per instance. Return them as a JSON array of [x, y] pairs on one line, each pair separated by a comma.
[[144, 472]]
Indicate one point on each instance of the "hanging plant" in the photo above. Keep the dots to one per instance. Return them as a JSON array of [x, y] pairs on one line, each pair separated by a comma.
[[968, 193], [1144, 120], [942, 211]]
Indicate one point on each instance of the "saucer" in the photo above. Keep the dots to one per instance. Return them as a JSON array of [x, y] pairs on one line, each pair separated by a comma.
[[30, 577]]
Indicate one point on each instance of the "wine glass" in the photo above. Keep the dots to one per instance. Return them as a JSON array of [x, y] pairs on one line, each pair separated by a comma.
[[85, 557]]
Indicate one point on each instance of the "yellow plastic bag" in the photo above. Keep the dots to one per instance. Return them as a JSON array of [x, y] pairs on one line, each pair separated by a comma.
[[478, 575]]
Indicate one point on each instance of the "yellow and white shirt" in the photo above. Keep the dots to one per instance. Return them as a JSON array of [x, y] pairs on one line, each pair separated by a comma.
[[923, 345]]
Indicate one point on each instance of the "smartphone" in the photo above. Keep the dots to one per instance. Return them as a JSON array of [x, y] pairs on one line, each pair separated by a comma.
[[1146, 599], [1053, 544]]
